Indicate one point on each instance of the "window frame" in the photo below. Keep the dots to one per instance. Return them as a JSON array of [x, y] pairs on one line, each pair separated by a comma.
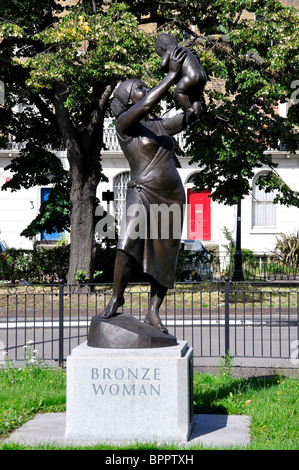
[[266, 202]]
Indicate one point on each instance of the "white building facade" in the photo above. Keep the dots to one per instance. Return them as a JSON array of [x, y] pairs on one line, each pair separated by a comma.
[[261, 220], [19, 208], [204, 219]]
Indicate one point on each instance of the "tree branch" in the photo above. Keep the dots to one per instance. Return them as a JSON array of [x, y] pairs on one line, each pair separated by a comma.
[[236, 21], [42, 107], [94, 6], [64, 122], [102, 95]]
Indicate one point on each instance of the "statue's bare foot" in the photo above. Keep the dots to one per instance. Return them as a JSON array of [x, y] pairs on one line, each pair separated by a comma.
[[111, 309], [153, 319]]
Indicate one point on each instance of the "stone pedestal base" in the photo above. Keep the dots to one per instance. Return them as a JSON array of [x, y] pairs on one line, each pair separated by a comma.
[[130, 394]]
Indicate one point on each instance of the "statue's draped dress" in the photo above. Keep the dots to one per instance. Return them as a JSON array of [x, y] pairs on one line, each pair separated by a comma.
[[155, 187]]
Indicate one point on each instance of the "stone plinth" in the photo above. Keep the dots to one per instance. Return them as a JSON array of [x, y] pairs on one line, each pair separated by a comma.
[[129, 394]]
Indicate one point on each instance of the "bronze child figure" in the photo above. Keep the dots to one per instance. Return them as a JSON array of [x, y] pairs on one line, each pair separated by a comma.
[[192, 79]]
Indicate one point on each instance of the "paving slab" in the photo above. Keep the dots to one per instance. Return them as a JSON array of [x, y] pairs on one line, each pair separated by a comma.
[[209, 430]]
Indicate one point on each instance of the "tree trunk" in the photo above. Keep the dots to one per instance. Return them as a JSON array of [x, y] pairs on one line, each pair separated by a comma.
[[83, 202], [83, 158], [83, 149]]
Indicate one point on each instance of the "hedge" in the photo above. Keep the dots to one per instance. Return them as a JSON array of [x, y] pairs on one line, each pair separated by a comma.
[[48, 265], [39, 265]]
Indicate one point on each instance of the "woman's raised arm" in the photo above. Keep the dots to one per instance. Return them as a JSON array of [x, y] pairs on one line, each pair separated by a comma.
[[142, 108], [175, 124]]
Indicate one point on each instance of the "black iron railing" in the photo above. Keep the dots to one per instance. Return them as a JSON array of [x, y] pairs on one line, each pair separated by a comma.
[[250, 320], [260, 268]]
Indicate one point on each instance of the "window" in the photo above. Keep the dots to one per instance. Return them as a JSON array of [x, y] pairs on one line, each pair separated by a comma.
[[190, 179], [263, 209], [120, 182]]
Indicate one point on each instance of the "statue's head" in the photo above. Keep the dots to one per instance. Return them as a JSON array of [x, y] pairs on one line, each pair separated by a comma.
[[121, 101], [164, 42]]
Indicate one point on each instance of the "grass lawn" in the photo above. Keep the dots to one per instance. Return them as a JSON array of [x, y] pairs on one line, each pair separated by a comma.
[[272, 403]]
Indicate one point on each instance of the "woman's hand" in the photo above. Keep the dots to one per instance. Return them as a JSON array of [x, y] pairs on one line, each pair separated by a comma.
[[176, 58], [143, 106]]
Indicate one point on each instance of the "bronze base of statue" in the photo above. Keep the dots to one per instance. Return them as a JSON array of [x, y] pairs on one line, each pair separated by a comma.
[[123, 331]]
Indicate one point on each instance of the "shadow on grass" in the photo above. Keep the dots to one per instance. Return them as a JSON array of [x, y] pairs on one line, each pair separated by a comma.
[[214, 395]]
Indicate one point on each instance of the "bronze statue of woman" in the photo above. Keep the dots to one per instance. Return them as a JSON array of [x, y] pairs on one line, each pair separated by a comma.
[[148, 147]]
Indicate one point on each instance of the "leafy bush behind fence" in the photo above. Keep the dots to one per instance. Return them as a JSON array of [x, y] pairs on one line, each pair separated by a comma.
[[40, 265], [48, 265]]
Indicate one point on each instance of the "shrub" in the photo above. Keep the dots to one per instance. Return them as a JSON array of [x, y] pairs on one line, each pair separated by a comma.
[[34, 265], [287, 249], [104, 261], [189, 261], [249, 259]]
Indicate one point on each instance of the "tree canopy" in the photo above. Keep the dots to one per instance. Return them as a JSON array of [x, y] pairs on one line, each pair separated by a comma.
[[60, 63], [60, 66], [249, 48], [86, 53]]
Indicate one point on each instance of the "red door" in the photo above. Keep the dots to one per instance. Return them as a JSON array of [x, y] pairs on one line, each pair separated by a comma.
[[199, 215]]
